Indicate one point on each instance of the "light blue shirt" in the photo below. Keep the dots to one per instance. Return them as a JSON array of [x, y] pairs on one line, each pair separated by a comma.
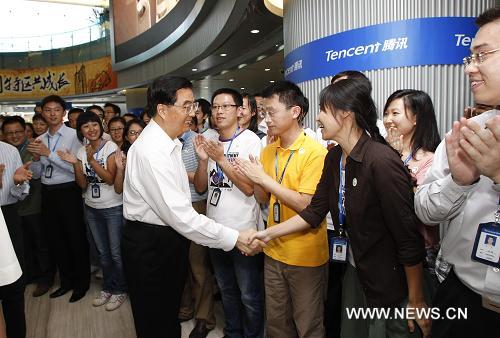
[[62, 171]]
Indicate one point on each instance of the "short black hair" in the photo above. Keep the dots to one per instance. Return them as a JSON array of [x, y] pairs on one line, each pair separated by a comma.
[[289, 94], [129, 115], [115, 108], [89, 109], [488, 16], [117, 119], [86, 117], [163, 90], [237, 98], [75, 110], [37, 104], [53, 98], [13, 119], [353, 74], [126, 144], [38, 117]]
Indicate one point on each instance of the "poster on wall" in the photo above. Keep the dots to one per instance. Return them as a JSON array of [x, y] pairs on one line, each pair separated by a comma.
[[66, 80], [405, 43]]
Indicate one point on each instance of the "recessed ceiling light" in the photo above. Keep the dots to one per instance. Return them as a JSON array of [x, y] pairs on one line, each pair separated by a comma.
[[242, 88], [243, 65], [224, 72], [255, 31], [272, 81], [231, 80], [194, 69], [223, 54], [267, 69], [206, 87]]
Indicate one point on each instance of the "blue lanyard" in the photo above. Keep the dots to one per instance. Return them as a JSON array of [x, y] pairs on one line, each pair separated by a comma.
[[341, 201], [219, 170], [409, 157], [55, 145], [276, 165]]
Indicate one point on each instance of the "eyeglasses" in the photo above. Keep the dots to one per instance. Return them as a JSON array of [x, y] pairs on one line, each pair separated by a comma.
[[115, 130], [477, 58], [224, 107], [14, 133], [271, 113], [188, 108], [134, 132]]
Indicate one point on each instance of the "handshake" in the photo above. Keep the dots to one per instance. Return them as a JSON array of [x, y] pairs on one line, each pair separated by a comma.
[[251, 242]]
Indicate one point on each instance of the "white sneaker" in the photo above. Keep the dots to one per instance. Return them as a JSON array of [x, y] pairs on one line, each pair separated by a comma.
[[101, 299], [116, 301]]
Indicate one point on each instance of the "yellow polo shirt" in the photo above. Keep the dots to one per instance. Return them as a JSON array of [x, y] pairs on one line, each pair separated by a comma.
[[308, 248]]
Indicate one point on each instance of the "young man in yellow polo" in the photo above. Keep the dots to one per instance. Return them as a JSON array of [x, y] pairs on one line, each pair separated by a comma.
[[295, 265]]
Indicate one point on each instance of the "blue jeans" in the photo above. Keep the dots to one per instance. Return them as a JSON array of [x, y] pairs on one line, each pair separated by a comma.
[[106, 226], [240, 281]]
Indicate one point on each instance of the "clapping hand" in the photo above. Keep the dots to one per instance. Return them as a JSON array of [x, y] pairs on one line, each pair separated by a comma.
[[214, 150], [251, 168], [120, 160], [23, 174], [482, 146], [462, 168], [199, 147], [395, 139], [67, 156], [38, 148]]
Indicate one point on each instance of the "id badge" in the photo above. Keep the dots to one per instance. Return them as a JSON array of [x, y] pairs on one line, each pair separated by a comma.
[[487, 245], [48, 171], [96, 191], [214, 199], [339, 249], [276, 212]]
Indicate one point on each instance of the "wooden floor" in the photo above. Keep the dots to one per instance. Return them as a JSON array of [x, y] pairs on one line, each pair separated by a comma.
[[57, 318]]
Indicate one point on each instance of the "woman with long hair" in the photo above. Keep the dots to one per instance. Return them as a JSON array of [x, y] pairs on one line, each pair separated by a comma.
[[369, 193]]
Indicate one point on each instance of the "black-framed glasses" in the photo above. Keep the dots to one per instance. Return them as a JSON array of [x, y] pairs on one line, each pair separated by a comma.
[[188, 108], [15, 133], [115, 130], [477, 58], [224, 107], [134, 132]]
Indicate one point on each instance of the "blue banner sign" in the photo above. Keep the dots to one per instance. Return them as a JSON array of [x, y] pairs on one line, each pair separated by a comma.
[[415, 42]]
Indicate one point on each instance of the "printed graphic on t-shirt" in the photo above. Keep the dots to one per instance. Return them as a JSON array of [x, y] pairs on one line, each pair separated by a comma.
[[91, 174], [218, 179]]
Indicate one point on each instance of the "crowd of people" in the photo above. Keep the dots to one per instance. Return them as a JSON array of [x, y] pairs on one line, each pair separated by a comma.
[[294, 229]]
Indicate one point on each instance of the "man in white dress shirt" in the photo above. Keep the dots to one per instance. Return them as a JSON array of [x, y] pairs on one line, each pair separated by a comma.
[[160, 217], [462, 188]]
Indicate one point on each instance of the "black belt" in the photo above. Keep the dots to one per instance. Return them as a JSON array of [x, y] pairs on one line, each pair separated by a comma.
[[53, 187]]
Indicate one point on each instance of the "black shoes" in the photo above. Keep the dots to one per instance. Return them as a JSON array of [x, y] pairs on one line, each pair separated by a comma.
[[41, 289], [77, 295], [200, 330], [59, 292]]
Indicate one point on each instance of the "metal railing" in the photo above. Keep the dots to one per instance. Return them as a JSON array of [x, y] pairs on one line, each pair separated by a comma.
[[54, 41]]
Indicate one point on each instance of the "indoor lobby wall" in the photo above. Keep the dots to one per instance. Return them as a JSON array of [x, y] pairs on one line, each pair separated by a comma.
[[307, 21]]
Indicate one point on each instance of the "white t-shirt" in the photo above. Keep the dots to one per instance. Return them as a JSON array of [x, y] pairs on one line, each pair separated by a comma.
[[105, 196], [10, 270], [234, 209]]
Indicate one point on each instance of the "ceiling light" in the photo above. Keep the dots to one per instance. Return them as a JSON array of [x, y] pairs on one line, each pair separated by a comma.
[[243, 65], [224, 72], [231, 80], [267, 69], [255, 31], [206, 87], [272, 81], [242, 88], [194, 69], [223, 54]]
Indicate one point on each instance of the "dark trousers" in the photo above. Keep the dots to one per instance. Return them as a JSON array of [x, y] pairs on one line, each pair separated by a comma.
[[155, 260], [480, 322], [39, 266], [12, 297], [62, 214], [333, 304]]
